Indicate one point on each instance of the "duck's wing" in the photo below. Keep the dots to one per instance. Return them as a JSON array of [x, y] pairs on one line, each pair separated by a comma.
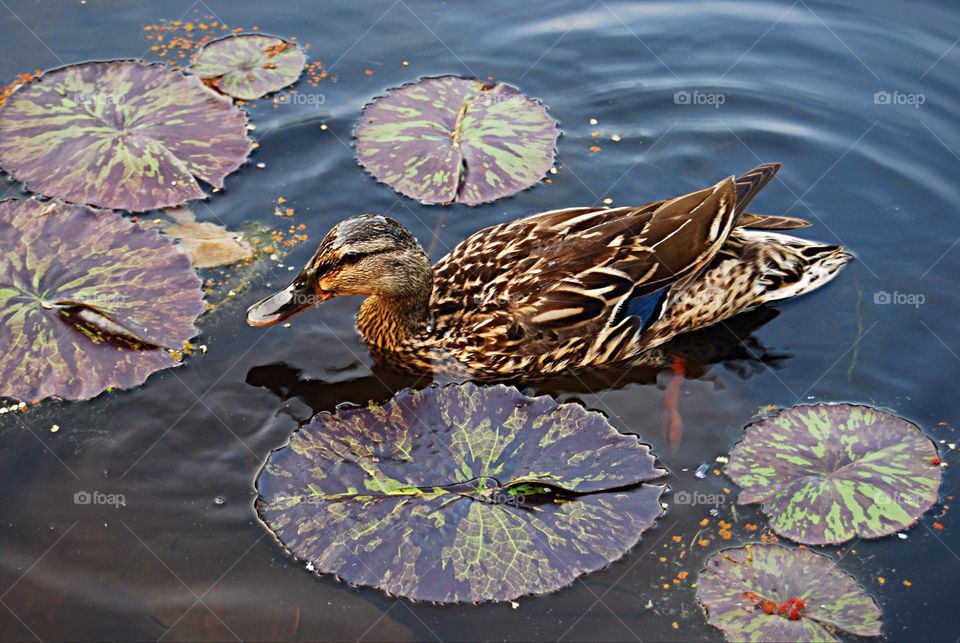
[[585, 273]]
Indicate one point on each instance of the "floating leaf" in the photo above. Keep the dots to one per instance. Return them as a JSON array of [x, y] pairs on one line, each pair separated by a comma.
[[828, 472], [774, 593], [249, 66], [450, 139], [88, 301], [462, 493], [207, 244], [125, 134]]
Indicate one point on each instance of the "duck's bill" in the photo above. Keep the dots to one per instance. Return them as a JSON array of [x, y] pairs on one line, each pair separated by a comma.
[[293, 299]]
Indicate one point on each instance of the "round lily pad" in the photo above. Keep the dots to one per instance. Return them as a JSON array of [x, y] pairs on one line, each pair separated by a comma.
[[125, 134], [451, 139], [462, 493], [826, 473], [88, 301], [248, 66], [767, 592]]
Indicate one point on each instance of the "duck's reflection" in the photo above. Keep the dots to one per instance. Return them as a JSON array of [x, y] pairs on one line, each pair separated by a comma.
[[689, 356]]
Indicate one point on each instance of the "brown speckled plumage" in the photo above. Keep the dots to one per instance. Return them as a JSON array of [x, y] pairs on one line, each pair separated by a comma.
[[553, 292]]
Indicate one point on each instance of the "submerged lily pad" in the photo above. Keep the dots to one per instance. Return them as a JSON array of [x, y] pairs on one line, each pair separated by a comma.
[[207, 244], [248, 66], [462, 493], [451, 139], [126, 134], [768, 592], [88, 301], [828, 472]]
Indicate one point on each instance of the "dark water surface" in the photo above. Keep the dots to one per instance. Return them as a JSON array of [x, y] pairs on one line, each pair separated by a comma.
[[797, 82]]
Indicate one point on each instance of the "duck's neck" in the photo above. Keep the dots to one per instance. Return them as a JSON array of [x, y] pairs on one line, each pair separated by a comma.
[[391, 322]]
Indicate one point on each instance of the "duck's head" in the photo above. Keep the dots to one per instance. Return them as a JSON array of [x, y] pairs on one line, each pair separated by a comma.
[[368, 254]]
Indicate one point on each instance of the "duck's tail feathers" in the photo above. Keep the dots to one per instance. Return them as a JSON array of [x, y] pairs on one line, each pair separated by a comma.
[[792, 266], [749, 185], [752, 268]]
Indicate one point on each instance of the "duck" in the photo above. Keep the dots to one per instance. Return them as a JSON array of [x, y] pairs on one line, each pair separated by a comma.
[[564, 290]]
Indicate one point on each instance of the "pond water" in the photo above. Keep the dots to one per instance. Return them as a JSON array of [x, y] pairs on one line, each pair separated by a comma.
[[695, 91]]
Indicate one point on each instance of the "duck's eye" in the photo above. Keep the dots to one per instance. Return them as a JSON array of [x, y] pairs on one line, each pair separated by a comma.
[[350, 257]]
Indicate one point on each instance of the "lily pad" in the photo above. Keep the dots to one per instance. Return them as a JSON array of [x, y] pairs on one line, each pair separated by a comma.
[[826, 473], [463, 493], [125, 134], [88, 301], [451, 139], [248, 66], [768, 592]]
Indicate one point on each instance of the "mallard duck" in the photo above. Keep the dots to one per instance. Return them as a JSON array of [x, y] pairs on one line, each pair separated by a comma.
[[562, 290]]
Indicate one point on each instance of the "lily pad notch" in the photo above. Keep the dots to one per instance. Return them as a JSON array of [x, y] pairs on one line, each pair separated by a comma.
[[126, 135], [249, 66], [460, 494], [449, 139], [88, 301], [826, 473]]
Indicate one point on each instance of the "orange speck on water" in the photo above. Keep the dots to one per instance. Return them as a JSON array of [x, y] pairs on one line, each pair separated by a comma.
[[703, 542], [704, 522], [677, 539], [750, 526], [726, 534], [938, 526], [594, 134], [663, 559], [936, 461], [683, 575], [675, 625], [907, 583], [368, 72], [595, 148]]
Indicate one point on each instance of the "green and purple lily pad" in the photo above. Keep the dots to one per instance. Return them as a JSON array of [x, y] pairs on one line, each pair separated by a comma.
[[88, 301], [460, 494], [248, 66], [124, 134], [456, 140], [767, 592], [827, 473]]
